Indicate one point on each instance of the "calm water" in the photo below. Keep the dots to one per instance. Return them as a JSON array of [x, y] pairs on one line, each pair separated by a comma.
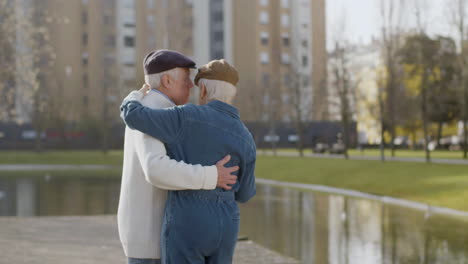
[[313, 227]]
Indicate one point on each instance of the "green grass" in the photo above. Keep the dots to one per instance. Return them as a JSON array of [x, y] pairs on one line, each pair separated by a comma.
[[435, 184], [438, 154], [404, 153]]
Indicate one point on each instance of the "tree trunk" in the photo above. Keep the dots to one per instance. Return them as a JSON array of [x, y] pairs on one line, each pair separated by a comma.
[[424, 114], [465, 120], [382, 129], [413, 139], [300, 140], [439, 131]]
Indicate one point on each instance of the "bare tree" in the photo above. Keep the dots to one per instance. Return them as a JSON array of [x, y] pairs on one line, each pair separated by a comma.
[[345, 89], [343, 83], [26, 34], [7, 47], [458, 16], [300, 102], [392, 15], [421, 7]]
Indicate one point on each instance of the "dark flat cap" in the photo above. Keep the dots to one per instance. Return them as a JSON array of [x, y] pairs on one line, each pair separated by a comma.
[[218, 70], [163, 60]]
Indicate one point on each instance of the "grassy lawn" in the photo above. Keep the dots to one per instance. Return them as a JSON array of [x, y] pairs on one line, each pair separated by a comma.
[[436, 184], [404, 153]]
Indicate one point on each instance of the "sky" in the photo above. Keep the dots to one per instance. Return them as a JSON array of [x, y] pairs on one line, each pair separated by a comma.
[[362, 18]]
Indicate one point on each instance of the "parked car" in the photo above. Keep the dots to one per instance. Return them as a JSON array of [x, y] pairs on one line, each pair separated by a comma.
[[337, 148], [320, 148]]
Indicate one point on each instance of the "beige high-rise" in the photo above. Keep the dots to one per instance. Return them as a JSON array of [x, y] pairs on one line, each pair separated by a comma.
[[277, 45], [100, 46]]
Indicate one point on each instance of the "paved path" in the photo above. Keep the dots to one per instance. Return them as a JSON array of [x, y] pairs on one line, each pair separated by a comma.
[[41, 167], [333, 156], [87, 240]]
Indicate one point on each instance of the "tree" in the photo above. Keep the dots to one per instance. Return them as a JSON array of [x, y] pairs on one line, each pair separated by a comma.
[[345, 89], [392, 14], [458, 16], [418, 51], [443, 98], [26, 45]]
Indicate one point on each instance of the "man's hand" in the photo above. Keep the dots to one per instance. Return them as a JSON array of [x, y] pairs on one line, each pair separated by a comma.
[[224, 174], [145, 89]]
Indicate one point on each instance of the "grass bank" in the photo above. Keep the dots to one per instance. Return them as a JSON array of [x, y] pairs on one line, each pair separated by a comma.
[[436, 184]]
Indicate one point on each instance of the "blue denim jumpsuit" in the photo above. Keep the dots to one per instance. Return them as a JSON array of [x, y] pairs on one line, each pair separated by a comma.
[[200, 226]]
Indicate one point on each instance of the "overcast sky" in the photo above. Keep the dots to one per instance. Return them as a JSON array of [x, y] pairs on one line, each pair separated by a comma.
[[362, 19]]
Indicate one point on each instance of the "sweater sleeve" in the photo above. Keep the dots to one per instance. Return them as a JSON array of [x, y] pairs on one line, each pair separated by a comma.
[[166, 173]]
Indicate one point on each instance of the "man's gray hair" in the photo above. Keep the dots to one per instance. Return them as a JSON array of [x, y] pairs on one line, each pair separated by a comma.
[[219, 90], [154, 80]]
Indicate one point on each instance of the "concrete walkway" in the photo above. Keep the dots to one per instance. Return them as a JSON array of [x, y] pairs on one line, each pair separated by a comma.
[[42, 167], [334, 156], [87, 240]]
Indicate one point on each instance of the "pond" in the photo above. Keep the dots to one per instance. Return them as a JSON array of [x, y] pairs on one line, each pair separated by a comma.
[[314, 227]]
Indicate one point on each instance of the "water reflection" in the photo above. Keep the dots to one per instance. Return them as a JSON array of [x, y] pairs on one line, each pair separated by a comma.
[[58, 196], [314, 227], [322, 228]]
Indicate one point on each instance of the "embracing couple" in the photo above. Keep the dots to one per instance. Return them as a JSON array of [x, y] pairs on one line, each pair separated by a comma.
[[185, 166]]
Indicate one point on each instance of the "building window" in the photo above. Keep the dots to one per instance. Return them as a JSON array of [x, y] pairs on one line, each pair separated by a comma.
[[264, 58], [304, 43], [285, 59], [265, 79], [218, 36], [84, 58], [264, 37], [84, 39], [150, 4], [106, 19], [285, 20], [287, 80], [285, 3], [264, 18], [84, 18], [305, 61], [150, 20], [110, 41], [85, 100], [129, 41], [85, 81], [263, 2], [218, 16], [285, 38]]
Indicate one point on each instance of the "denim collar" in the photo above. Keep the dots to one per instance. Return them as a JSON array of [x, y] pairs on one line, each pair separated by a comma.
[[223, 107]]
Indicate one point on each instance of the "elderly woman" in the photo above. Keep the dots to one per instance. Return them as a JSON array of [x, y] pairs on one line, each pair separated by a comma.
[[201, 226]]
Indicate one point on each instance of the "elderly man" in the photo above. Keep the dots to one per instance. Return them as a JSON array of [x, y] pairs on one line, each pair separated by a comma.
[[146, 164], [201, 226]]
